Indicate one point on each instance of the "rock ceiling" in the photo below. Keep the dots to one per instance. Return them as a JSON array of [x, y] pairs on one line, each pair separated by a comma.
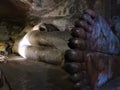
[[8, 8], [21, 8]]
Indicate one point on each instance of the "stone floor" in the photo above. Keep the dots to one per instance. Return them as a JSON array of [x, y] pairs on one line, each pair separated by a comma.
[[31, 75]]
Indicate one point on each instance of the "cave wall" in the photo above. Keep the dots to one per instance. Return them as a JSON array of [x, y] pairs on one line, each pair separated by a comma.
[[61, 13], [9, 29]]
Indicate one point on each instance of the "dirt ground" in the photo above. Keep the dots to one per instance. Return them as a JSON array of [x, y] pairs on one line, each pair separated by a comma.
[[32, 75]]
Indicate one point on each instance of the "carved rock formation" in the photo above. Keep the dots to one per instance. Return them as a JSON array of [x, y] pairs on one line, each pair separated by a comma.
[[92, 59]]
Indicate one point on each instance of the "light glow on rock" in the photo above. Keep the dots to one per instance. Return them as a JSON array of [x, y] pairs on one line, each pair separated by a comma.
[[23, 45]]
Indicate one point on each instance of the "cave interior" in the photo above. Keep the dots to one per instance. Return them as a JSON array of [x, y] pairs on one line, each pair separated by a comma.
[[14, 17]]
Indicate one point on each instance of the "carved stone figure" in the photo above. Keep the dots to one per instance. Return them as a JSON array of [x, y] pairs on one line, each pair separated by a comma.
[[93, 57], [43, 43], [94, 54]]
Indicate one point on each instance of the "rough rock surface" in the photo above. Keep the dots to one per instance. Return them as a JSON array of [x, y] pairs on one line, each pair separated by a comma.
[[29, 75]]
